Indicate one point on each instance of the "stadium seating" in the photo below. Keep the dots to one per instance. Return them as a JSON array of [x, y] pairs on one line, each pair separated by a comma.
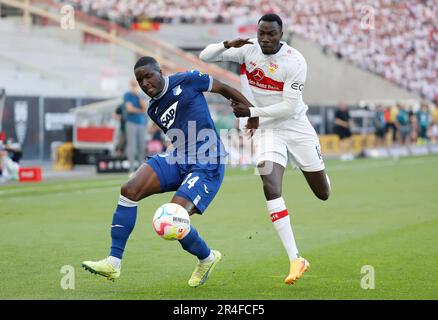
[[35, 62], [396, 39]]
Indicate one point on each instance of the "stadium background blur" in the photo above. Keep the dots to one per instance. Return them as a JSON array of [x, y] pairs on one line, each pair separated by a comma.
[[65, 66], [55, 67]]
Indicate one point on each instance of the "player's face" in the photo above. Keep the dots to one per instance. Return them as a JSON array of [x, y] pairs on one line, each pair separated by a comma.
[[150, 80], [268, 36]]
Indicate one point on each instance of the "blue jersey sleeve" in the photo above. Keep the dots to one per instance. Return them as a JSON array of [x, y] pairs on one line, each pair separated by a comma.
[[200, 81]]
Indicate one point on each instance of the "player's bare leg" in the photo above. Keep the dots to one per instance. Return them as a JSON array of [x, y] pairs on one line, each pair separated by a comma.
[[272, 177], [186, 204], [319, 182], [195, 245], [142, 184]]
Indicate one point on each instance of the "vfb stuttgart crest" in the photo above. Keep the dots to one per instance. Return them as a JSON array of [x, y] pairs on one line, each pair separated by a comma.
[[258, 74], [272, 67]]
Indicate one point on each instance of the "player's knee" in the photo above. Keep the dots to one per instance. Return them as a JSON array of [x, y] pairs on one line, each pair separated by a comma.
[[131, 191]]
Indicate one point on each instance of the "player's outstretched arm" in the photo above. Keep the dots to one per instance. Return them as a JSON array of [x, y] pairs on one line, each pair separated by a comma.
[[219, 51], [236, 97], [230, 93], [286, 108], [237, 43]]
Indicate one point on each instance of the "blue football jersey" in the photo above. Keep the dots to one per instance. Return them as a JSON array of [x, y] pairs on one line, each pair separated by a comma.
[[181, 111]]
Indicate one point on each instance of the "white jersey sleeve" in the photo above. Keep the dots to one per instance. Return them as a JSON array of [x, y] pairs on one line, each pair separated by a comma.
[[295, 79], [217, 52]]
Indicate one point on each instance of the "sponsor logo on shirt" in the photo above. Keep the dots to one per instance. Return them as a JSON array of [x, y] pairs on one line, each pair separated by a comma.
[[297, 86], [258, 74], [168, 118], [177, 90], [258, 79]]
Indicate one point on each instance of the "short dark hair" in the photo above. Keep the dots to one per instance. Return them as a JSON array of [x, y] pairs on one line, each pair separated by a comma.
[[272, 17], [145, 61]]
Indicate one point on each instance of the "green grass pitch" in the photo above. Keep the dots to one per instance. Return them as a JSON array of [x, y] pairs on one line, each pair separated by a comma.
[[382, 213]]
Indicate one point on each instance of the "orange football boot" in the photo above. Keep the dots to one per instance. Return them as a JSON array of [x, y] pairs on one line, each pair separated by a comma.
[[297, 268]]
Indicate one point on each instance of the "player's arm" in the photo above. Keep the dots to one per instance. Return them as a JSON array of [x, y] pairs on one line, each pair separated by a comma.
[[225, 51], [286, 108], [235, 97], [229, 92]]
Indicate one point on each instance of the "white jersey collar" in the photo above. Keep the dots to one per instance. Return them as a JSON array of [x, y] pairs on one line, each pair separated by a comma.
[[163, 92]]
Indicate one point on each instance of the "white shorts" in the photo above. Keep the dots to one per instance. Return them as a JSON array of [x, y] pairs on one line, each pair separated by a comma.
[[298, 145]]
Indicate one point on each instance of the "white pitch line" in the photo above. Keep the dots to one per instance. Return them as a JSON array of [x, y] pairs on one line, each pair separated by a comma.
[[52, 188], [74, 192], [344, 167]]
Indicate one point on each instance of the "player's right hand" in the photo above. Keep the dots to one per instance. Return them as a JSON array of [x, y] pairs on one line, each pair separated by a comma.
[[237, 43]]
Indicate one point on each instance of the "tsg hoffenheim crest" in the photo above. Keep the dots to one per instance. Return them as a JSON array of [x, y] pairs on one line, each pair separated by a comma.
[[20, 116]]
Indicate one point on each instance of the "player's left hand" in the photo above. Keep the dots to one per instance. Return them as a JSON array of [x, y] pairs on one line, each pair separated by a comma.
[[240, 109]]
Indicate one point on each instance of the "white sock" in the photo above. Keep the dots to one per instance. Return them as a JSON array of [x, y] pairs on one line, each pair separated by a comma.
[[210, 258], [280, 218], [115, 262]]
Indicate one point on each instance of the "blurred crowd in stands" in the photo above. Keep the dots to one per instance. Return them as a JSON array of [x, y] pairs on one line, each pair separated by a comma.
[[399, 123], [172, 11], [395, 39], [407, 126]]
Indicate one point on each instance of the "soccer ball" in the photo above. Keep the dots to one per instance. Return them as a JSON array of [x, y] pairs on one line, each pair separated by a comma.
[[171, 221]]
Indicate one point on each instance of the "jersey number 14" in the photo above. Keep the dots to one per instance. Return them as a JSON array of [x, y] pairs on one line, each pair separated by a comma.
[[190, 182]]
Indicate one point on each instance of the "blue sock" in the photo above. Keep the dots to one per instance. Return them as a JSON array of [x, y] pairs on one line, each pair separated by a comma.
[[194, 244], [122, 226]]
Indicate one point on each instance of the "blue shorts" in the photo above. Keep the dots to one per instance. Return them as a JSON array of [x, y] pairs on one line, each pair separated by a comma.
[[196, 183]]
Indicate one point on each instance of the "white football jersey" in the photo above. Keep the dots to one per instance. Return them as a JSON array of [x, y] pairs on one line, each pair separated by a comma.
[[266, 79]]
